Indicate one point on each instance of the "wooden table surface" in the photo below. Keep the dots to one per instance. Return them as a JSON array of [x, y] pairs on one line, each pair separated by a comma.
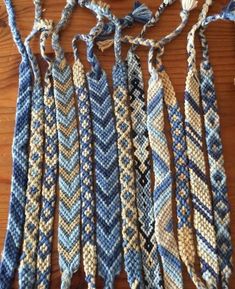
[[222, 52]]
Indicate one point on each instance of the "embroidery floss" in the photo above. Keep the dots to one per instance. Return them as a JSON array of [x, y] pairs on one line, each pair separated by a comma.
[[50, 172], [14, 234], [69, 163]]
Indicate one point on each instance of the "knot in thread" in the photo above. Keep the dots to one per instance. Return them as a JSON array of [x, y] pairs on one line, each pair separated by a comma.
[[44, 24]]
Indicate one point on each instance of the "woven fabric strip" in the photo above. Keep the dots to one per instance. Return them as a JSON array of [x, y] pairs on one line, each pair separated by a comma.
[[108, 207], [203, 214], [14, 234], [148, 243], [162, 195], [216, 165], [69, 167], [28, 262], [50, 174]]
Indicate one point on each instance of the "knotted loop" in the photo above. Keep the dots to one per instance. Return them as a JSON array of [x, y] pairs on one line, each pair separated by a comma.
[[44, 25]]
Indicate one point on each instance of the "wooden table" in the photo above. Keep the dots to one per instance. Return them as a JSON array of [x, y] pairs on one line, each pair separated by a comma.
[[222, 52]]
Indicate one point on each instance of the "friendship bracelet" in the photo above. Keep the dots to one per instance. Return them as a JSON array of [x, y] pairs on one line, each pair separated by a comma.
[[202, 206], [88, 193], [27, 268], [151, 264], [69, 158], [215, 151], [14, 234], [48, 197]]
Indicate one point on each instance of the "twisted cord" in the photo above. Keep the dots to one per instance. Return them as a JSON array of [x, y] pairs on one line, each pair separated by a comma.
[[69, 161], [228, 13], [27, 268], [45, 238], [148, 243], [154, 19], [86, 161], [136, 41], [216, 165], [65, 16], [162, 194], [202, 206], [14, 234], [191, 35], [103, 9]]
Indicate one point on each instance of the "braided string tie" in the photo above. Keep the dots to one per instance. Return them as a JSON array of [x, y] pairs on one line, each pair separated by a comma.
[[215, 158], [202, 206], [28, 263], [162, 194], [186, 246], [50, 171], [69, 163], [86, 161], [148, 243], [136, 41], [14, 234]]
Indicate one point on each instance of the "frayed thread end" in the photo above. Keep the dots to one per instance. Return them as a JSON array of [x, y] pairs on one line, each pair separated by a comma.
[[141, 13]]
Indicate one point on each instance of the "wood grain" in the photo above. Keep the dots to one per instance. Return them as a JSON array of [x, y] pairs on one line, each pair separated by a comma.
[[222, 51]]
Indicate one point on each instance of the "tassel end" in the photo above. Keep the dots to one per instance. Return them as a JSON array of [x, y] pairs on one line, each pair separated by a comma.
[[141, 13], [189, 5]]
